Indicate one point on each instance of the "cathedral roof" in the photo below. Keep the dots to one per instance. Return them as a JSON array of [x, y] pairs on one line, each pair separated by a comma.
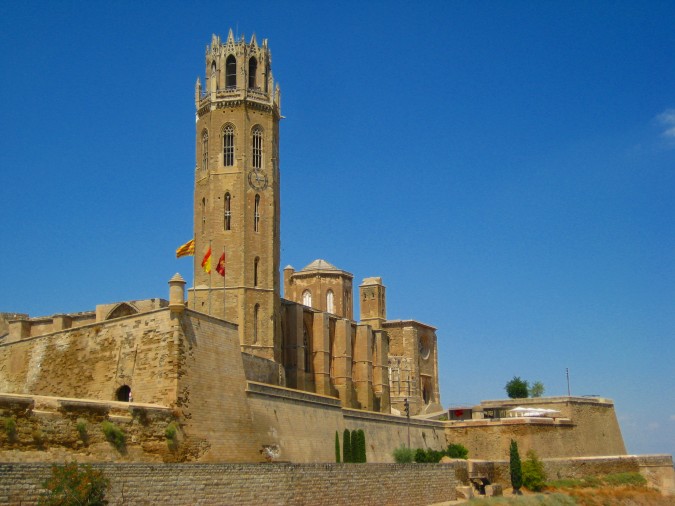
[[320, 265]]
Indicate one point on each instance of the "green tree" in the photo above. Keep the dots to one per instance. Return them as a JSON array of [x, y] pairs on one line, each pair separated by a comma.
[[515, 468], [537, 389], [362, 446], [73, 485], [403, 455], [337, 447], [346, 447], [534, 475], [355, 446], [457, 451], [517, 388]]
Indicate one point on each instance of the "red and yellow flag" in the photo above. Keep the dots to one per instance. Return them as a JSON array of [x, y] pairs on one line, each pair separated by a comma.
[[206, 262], [220, 268], [186, 250]]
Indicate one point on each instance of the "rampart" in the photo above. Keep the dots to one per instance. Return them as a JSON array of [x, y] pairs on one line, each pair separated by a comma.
[[309, 484]]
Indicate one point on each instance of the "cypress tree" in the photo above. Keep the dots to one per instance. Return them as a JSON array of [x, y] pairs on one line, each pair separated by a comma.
[[337, 447], [355, 446], [362, 444], [346, 447], [515, 468]]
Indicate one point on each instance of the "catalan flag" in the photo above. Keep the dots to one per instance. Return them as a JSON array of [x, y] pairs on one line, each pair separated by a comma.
[[186, 250], [220, 268], [206, 262]]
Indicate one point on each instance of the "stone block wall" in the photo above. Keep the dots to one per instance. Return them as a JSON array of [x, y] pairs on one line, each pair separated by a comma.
[[216, 484]]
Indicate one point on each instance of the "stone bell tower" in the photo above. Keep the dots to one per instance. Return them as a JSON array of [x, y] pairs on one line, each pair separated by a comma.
[[236, 200]]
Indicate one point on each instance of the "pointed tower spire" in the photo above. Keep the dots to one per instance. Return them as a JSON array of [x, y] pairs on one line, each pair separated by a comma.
[[230, 37], [253, 42]]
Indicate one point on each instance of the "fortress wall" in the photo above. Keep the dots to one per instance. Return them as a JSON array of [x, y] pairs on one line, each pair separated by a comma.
[[46, 430], [93, 361], [263, 370], [211, 401], [589, 429], [251, 484], [384, 433], [657, 469], [302, 424]]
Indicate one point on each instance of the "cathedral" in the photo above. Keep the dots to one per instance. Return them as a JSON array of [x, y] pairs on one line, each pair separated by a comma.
[[308, 339]]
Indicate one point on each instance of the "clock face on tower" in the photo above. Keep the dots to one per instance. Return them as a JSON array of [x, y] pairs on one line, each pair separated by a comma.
[[257, 179]]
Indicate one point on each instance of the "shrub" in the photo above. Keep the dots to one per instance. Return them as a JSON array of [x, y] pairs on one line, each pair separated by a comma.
[[420, 456], [355, 446], [114, 434], [457, 451], [403, 455], [38, 437], [70, 484], [171, 431], [517, 388], [515, 468], [361, 454], [10, 427], [534, 476], [346, 446], [81, 426], [337, 447], [537, 389]]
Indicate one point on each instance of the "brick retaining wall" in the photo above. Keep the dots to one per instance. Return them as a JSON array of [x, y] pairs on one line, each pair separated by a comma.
[[269, 484]]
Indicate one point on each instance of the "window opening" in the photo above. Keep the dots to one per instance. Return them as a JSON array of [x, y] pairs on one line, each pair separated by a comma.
[[252, 69], [256, 311], [228, 146], [255, 271], [231, 73], [205, 150], [307, 298], [257, 147], [228, 213], [256, 214], [330, 301], [203, 215]]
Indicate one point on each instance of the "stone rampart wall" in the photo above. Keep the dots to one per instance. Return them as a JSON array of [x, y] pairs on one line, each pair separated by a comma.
[[93, 361], [243, 484]]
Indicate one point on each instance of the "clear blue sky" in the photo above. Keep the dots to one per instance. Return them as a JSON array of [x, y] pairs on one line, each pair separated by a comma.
[[506, 167]]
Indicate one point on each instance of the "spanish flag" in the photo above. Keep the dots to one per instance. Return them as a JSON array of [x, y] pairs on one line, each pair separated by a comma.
[[206, 263], [220, 268], [186, 250]]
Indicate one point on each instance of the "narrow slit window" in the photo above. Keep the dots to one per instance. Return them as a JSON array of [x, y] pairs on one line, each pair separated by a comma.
[[252, 69], [205, 150], [228, 212], [256, 315], [255, 271], [257, 147], [203, 215], [256, 214], [228, 146], [231, 73]]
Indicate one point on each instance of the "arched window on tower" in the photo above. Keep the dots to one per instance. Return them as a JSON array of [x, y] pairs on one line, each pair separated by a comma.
[[252, 69], [228, 146], [307, 298], [330, 302], [203, 215], [231, 72], [257, 147], [256, 315], [227, 218], [214, 72], [256, 214], [205, 150], [256, 262]]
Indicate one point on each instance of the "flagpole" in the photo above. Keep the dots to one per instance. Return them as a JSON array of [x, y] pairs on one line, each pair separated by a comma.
[[210, 279], [224, 273], [194, 287]]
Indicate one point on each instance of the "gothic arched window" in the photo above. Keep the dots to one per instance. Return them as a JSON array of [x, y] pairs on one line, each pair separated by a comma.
[[203, 215], [256, 314], [252, 69], [228, 146], [205, 150], [227, 217], [257, 147], [307, 298], [231, 72], [330, 302], [256, 214]]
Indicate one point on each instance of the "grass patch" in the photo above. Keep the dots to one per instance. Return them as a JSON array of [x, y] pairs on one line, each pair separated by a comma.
[[609, 480], [114, 434]]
